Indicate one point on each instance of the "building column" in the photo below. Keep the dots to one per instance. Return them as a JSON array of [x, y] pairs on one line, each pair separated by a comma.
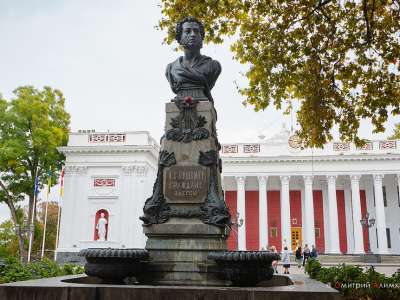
[[398, 184], [356, 207], [262, 211], [334, 246], [380, 215], [241, 209], [309, 211], [285, 212]]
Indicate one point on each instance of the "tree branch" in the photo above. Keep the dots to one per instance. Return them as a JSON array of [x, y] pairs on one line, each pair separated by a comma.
[[369, 20], [320, 4], [4, 188]]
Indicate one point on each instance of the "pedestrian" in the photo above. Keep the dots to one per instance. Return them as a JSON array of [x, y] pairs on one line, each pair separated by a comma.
[[314, 252], [274, 262], [285, 260], [306, 254], [299, 256]]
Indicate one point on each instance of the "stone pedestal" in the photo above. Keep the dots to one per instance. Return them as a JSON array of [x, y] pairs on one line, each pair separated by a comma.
[[186, 217], [178, 252]]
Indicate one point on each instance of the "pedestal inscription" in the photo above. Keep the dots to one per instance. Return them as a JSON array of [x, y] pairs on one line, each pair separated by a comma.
[[186, 184]]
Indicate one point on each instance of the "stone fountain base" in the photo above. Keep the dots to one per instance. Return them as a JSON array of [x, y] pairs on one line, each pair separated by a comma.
[[178, 253], [81, 287]]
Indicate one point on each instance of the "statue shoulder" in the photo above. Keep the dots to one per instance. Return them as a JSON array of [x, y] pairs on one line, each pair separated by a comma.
[[212, 65], [174, 63], [216, 65]]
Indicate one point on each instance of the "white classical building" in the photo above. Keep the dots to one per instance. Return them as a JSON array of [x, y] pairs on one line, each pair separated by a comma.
[[109, 173], [278, 194]]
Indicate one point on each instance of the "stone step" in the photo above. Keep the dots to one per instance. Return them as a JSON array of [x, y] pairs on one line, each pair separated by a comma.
[[332, 259], [339, 258], [390, 259]]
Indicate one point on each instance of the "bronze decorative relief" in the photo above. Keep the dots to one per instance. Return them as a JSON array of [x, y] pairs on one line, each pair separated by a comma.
[[186, 184], [188, 125]]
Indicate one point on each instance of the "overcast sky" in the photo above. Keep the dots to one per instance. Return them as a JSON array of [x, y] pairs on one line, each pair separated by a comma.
[[109, 61]]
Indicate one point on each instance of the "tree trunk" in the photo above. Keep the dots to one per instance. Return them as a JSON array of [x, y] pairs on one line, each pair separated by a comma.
[[21, 240], [9, 201]]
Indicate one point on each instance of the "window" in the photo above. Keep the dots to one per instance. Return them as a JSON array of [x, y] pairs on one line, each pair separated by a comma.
[[389, 243], [274, 232], [376, 233], [384, 195], [317, 233]]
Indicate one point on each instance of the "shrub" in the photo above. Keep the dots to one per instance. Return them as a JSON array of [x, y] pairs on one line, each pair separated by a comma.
[[13, 270], [313, 267], [71, 269], [354, 283]]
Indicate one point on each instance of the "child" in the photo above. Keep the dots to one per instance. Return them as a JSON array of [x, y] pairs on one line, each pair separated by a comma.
[[286, 261]]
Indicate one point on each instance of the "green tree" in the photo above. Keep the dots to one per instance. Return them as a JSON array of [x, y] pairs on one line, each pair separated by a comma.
[[396, 132], [339, 59], [8, 239], [32, 125]]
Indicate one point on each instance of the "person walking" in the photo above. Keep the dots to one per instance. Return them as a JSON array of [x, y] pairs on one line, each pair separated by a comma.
[[306, 254], [299, 256], [314, 252], [285, 260]]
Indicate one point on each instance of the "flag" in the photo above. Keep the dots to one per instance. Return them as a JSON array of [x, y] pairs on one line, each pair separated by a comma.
[[62, 183], [36, 184], [48, 182]]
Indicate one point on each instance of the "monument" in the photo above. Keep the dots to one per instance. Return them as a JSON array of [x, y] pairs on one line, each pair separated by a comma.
[[186, 217]]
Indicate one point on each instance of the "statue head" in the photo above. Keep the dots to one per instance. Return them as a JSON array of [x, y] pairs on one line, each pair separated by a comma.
[[102, 215], [190, 33]]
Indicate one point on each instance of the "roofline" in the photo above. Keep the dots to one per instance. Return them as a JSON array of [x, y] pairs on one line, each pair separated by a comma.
[[110, 149], [269, 159]]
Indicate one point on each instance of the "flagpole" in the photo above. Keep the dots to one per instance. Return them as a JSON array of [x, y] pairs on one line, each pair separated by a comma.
[[59, 213], [58, 228], [32, 225], [45, 214]]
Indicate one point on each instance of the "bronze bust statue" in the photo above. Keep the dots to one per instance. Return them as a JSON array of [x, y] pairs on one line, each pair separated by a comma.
[[192, 74]]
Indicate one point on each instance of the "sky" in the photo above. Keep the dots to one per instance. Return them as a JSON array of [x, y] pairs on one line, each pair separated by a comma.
[[109, 61]]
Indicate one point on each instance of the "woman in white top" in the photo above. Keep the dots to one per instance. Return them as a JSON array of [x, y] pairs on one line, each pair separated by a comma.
[[285, 261]]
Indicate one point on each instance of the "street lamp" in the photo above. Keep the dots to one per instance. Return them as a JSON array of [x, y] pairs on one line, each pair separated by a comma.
[[26, 228], [238, 222], [366, 222]]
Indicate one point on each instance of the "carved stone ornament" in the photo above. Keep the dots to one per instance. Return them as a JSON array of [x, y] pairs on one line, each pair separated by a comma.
[[214, 210], [136, 170], [188, 125], [156, 208], [294, 141], [75, 170]]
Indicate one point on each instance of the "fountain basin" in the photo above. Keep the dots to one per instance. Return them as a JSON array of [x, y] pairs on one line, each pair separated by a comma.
[[114, 265], [81, 287], [244, 268]]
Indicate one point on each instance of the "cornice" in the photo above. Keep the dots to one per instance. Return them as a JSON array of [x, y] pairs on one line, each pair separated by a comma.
[[279, 159], [139, 168], [107, 149]]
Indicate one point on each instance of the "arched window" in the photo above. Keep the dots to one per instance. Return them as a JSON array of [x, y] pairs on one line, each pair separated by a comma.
[[101, 224]]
